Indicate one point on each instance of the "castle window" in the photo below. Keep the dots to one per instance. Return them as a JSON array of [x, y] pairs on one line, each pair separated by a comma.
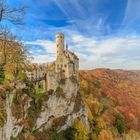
[[57, 66], [65, 65], [61, 65]]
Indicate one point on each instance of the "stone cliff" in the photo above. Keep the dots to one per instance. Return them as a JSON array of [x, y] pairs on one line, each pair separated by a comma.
[[26, 111]]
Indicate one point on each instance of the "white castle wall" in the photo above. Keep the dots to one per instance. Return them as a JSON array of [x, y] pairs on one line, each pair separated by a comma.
[[66, 61], [66, 65]]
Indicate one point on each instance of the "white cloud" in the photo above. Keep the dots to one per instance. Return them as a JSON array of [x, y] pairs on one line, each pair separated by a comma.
[[112, 52], [48, 45], [132, 14], [43, 59]]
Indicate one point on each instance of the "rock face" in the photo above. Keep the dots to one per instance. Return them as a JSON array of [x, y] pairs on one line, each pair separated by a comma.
[[11, 127], [58, 111], [62, 108]]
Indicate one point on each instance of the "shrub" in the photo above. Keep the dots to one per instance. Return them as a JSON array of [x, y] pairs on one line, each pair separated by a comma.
[[56, 136], [97, 84], [2, 74], [69, 133], [80, 130], [30, 91], [84, 86], [59, 91], [15, 99], [17, 108], [34, 111], [22, 77], [97, 130], [3, 116], [48, 134], [120, 124], [105, 135], [103, 110]]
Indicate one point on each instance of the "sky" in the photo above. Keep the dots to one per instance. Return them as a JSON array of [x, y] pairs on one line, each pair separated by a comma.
[[102, 33]]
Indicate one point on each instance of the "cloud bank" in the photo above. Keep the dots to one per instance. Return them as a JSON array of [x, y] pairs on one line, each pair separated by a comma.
[[112, 52], [103, 33]]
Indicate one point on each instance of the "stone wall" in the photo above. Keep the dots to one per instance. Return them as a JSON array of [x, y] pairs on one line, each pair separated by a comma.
[[52, 81]]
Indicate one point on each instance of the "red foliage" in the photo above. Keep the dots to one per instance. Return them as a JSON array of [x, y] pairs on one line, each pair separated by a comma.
[[123, 87]]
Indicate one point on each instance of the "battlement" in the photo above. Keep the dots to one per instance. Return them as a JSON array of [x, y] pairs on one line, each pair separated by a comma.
[[60, 35]]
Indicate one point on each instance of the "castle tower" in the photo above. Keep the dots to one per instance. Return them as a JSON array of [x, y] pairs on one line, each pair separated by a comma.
[[59, 44]]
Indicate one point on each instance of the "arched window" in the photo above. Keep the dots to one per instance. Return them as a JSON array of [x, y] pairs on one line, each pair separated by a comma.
[[61, 65], [65, 65]]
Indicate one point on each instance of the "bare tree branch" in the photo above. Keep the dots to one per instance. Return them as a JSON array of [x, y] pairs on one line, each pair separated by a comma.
[[13, 15]]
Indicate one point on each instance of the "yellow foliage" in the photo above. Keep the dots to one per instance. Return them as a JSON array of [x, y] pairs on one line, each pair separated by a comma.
[[81, 130], [132, 135], [94, 136], [105, 135], [95, 106], [101, 123], [84, 85], [90, 116]]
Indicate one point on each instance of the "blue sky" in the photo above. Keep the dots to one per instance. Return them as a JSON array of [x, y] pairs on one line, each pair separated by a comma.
[[103, 33]]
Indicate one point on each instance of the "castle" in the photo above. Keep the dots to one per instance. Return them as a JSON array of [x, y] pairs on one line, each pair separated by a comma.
[[66, 62], [65, 66]]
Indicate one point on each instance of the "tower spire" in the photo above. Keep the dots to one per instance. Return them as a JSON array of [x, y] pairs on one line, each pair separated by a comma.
[[66, 46]]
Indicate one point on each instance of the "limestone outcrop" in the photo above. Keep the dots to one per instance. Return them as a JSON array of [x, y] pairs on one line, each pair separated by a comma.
[[55, 109]]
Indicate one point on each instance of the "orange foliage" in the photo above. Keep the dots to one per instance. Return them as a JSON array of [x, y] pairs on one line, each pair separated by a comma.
[[122, 87], [105, 135]]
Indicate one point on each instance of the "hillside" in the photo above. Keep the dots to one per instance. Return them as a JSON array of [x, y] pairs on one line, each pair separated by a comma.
[[118, 90], [105, 108]]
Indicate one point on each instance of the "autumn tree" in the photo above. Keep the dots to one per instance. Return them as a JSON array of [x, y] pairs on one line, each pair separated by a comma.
[[105, 135], [120, 124], [13, 53], [80, 130], [2, 75], [7, 39]]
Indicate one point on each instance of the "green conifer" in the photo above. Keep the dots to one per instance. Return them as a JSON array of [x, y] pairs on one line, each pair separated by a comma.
[[2, 75]]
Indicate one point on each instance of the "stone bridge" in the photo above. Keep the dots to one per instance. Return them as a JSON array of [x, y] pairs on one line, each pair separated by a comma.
[[39, 82]]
